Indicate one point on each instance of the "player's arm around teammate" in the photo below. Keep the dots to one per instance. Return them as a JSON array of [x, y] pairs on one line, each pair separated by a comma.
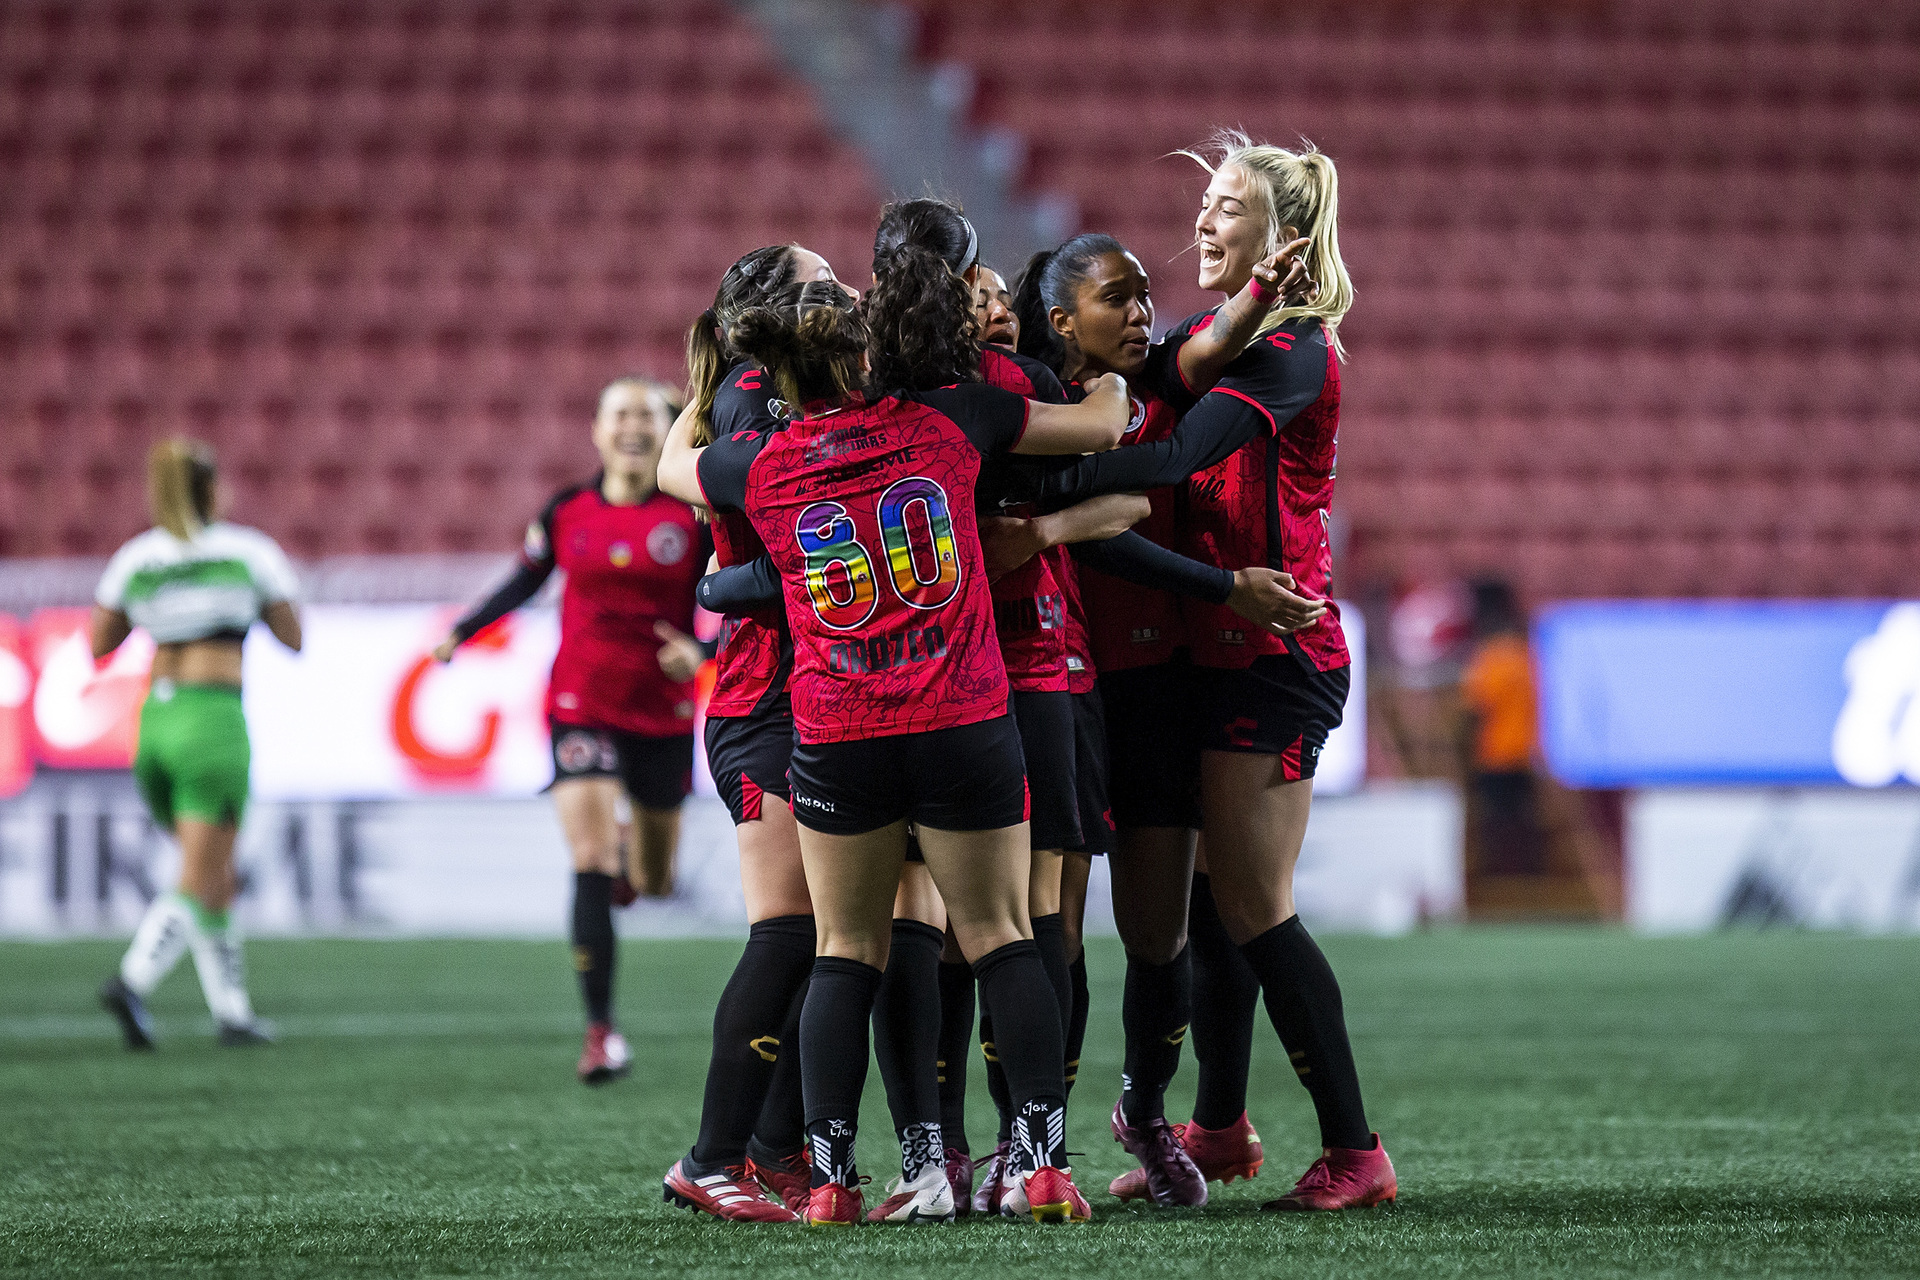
[[196, 583]]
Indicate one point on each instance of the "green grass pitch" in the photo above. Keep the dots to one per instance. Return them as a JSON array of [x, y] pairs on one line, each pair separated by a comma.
[[1556, 1102]]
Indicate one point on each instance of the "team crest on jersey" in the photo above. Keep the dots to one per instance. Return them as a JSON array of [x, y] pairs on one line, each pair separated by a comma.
[[668, 544], [1138, 418], [535, 544], [576, 751], [621, 555]]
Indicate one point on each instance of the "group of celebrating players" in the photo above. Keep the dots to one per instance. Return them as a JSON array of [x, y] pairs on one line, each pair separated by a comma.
[[1006, 585]]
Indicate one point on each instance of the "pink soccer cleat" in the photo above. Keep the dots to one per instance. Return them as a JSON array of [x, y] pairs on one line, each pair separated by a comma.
[[1342, 1179], [1221, 1155]]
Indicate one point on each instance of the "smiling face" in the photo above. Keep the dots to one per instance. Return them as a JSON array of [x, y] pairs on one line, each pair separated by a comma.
[[630, 427], [993, 308], [1112, 320], [1231, 230]]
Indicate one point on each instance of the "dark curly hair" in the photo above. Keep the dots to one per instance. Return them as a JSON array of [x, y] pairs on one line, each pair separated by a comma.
[[920, 315], [809, 338], [753, 280]]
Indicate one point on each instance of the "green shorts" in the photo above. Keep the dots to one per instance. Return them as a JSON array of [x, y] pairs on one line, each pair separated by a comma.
[[193, 756]]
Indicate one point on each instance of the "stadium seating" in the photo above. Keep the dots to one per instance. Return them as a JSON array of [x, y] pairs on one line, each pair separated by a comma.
[[1634, 279], [381, 254]]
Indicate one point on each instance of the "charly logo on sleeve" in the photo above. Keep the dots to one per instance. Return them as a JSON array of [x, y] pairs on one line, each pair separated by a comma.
[[1876, 739]]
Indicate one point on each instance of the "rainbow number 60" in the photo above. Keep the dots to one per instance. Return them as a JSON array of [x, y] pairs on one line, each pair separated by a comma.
[[916, 531]]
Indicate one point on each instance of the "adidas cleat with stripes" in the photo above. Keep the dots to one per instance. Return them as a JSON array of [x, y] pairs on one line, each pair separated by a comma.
[[732, 1194]]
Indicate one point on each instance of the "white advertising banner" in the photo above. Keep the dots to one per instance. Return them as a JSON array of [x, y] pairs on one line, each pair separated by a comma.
[[363, 711]]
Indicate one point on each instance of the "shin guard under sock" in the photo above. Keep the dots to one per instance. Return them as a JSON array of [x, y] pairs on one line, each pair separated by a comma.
[[749, 1036], [1303, 999], [158, 943], [222, 970], [996, 1076], [781, 1130], [593, 942], [956, 1041], [1225, 994], [833, 1061], [1050, 937], [1077, 1020], [906, 1026], [1027, 1036], [1155, 1010]]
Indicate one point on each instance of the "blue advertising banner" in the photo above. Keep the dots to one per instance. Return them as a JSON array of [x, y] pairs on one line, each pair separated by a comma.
[[1667, 692]]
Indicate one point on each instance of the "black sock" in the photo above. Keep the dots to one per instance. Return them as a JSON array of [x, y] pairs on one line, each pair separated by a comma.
[[1225, 992], [1026, 1019], [956, 1042], [996, 1076], [1303, 999], [1077, 1021], [1050, 936], [1155, 1011], [833, 1061], [781, 1130], [906, 1033], [749, 1036], [593, 942]]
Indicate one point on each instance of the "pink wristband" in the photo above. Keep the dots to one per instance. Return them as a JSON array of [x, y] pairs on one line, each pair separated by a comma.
[[1262, 294]]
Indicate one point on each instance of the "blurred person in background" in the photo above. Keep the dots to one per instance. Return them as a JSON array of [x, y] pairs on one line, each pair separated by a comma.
[[196, 584], [1498, 701], [620, 703]]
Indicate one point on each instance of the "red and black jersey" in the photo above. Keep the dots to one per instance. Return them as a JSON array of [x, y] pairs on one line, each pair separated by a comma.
[[1129, 625], [756, 649], [1029, 600], [1270, 502], [868, 515], [627, 568]]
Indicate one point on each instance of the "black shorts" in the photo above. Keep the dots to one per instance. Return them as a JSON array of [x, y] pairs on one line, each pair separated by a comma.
[[747, 756], [1045, 721], [1279, 706], [1090, 774], [656, 772], [968, 778], [1153, 754]]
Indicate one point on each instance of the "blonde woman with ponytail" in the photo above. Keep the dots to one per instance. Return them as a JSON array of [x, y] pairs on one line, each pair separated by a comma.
[[196, 584], [1257, 457]]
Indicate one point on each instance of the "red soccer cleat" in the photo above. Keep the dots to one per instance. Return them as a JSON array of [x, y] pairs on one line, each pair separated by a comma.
[[1342, 1179], [623, 893], [986, 1196], [960, 1178], [731, 1194], [789, 1178], [605, 1055], [1171, 1177], [1221, 1155], [1047, 1195], [834, 1206]]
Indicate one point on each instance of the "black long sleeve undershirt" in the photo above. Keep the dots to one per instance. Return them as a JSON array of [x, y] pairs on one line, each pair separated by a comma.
[[740, 588], [523, 585], [1211, 432], [1144, 562]]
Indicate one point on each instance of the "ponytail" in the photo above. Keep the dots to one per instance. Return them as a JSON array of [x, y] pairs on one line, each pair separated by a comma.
[[1301, 190], [751, 281], [921, 320], [809, 339], [180, 481], [1037, 338]]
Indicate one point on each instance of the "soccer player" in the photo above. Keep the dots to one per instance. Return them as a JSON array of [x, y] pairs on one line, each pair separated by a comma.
[[899, 691], [1259, 449], [196, 584], [748, 1163], [620, 703]]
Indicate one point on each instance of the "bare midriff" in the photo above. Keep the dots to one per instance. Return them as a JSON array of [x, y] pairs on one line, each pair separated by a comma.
[[199, 662]]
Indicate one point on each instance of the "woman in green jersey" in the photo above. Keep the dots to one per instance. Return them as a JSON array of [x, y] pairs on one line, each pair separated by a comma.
[[195, 584]]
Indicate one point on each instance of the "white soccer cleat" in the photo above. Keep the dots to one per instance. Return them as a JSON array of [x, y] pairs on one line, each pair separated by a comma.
[[928, 1198]]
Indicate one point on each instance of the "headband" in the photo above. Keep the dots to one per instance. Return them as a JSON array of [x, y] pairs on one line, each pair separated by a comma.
[[972, 255]]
